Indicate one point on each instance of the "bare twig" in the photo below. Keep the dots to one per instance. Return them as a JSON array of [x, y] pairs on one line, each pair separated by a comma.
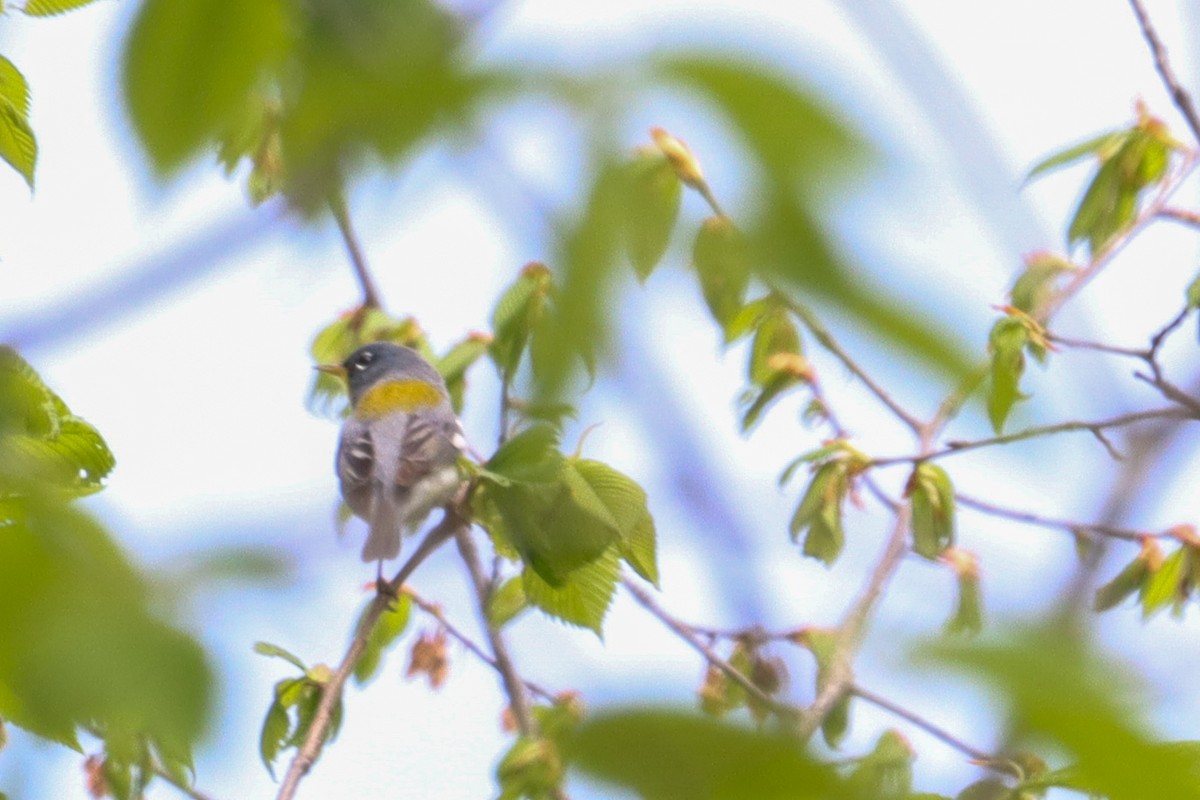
[[825, 338], [853, 627], [1182, 215], [936, 732], [690, 635], [337, 205], [332, 691], [514, 687], [1028, 517], [1179, 95], [1095, 427], [434, 610], [1100, 347]]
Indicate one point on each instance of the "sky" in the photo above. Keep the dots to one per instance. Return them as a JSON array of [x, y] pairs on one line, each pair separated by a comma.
[[960, 98]]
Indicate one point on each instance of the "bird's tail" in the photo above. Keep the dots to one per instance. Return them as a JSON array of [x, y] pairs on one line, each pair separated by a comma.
[[383, 538]]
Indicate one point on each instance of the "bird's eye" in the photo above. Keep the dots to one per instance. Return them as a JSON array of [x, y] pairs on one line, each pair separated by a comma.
[[363, 360]]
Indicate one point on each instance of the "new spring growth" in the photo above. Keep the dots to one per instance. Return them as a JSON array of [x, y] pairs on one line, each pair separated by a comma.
[[682, 161]]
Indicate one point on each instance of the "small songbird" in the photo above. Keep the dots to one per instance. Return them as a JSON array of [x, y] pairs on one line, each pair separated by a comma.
[[397, 457]]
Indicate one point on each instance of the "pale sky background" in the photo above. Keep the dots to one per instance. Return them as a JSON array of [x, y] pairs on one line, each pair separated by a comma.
[[254, 469]]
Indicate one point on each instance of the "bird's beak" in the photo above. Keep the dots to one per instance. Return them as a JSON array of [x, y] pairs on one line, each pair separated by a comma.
[[336, 370]]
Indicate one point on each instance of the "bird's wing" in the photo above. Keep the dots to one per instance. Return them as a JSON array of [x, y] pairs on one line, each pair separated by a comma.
[[356, 467], [431, 440]]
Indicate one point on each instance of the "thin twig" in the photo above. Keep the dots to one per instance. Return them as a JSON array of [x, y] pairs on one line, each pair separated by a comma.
[[1179, 95], [337, 205], [825, 338], [692, 638], [1094, 427], [435, 611], [514, 687], [936, 732], [1030, 518], [332, 691], [1100, 347], [1182, 215], [852, 628]]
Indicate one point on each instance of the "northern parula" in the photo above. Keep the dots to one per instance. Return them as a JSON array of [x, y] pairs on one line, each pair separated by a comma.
[[396, 459]]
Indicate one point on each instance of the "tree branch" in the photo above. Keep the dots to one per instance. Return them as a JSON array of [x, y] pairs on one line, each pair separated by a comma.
[[435, 611], [688, 634], [1095, 427], [936, 732], [1181, 215], [514, 687], [451, 523], [1179, 95], [1028, 517], [370, 295]]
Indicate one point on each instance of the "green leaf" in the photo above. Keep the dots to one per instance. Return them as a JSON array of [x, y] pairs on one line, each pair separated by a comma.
[[886, 772], [1036, 285], [624, 499], [669, 755], [392, 622], [722, 261], [274, 733], [1166, 584], [822, 643], [518, 312], [932, 510], [1079, 702], [776, 334], [188, 70], [275, 651], [1129, 580], [584, 595], [820, 513], [640, 549], [968, 607], [49, 8], [1007, 343], [652, 193], [748, 318], [507, 602], [13, 86], [1096, 146], [18, 146], [531, 456], [1193, 294]]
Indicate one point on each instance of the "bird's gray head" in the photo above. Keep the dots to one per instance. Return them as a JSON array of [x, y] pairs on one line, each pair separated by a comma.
[[371, 362]]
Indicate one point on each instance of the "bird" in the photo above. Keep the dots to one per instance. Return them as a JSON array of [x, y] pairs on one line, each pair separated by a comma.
[[397, 456]]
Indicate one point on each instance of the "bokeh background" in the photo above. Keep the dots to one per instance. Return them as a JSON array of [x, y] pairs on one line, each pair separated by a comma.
[[177, 320]]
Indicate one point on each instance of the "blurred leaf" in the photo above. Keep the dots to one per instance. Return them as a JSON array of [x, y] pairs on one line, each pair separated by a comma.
[[188, 69], [722, 261], [454, 365], [274, 732], [275, 651], [519, 311], [531, 768], [1130, 579], [822, 643], [578, 327], [1096, 146], [748, 318], [49, 8], [1082, 702], [1193, 294], [787, 128], [1036, 285], [652, 192], [776, 333], [932, 497], [392, 622], [1170, 584], [886, 772], [18, 146], [1007, 342], [819, 513], [507, 602], [668, 755], [584, 595], [80, 643], [968, 608]]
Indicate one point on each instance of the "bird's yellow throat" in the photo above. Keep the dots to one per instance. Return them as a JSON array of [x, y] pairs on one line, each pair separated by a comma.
[[387, 397]]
